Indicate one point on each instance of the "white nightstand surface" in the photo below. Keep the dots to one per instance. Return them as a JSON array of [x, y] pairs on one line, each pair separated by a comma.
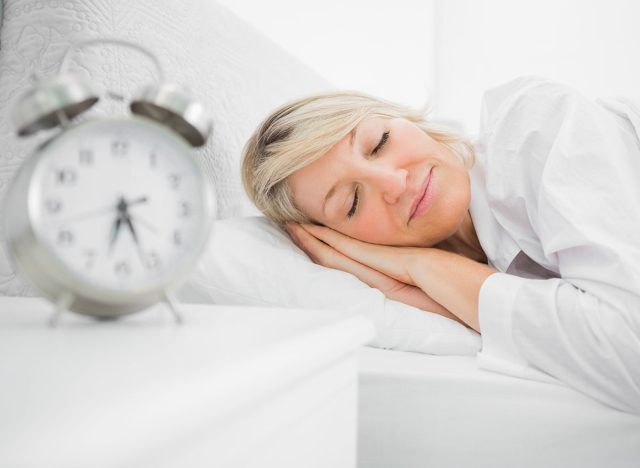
[[139, 390]]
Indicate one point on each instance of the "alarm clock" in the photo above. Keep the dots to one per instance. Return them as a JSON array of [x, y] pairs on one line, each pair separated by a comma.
[[109, 215]]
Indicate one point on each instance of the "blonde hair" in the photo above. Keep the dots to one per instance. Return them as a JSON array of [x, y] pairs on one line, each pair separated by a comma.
[[301, 131]]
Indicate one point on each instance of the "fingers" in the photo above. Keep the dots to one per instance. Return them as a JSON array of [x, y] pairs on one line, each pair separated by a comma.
[[341, 242], [392, 261], [305, 242], [323, 254], [319, 251]]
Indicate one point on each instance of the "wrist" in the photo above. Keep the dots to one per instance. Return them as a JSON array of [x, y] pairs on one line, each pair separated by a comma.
[[452, 280], [420, 257]]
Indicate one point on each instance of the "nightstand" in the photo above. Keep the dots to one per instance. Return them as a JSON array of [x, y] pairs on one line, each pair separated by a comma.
[[230, 387]]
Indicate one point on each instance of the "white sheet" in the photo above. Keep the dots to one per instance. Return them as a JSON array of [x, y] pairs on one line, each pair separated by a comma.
[[417, 410]]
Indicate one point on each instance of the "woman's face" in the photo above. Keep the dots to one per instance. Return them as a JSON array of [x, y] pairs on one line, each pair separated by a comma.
[[376, 175]]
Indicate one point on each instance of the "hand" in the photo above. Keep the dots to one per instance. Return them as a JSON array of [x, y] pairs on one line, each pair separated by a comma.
[[394, 262], [123, 216], [115, 229], [100, 211], [132, 230], [324, 254]]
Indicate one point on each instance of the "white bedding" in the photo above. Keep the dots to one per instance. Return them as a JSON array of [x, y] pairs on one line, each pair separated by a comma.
[[417, 410], [252, 261]]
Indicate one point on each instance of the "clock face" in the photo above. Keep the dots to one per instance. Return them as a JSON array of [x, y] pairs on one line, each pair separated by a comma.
[[121, 205]]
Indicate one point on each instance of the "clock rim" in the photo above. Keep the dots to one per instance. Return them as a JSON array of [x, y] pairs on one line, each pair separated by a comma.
[[33, 254]]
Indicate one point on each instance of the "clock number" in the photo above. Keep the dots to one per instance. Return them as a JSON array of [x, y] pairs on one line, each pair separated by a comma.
[[123, 268], [65, 176], [65, 237], [185, 210], [174, 181], [177, 238], [85, 157], [119, 147], [152, 261], [153, 159], [53, 205], [90, 257]]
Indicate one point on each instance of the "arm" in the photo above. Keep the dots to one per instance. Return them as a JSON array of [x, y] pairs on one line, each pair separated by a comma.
[[537, 329], [416, 297], [451, 280], [428, 278], [324, 254], [588, 339], [563, 171]]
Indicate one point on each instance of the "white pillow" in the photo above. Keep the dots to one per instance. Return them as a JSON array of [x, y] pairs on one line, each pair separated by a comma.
[[252, 261]]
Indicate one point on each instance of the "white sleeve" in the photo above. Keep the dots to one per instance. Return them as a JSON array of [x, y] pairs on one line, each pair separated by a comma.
[[572, 169]]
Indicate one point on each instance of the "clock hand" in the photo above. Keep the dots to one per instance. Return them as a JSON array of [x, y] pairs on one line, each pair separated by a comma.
[[115, 229], [88, 214], [121, 206], [137, 218], [127, 219], [137, 201], [144, 223], [101, 211]]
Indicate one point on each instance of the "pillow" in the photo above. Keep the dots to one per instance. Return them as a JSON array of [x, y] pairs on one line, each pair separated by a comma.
[[235, 71], [252, 261]]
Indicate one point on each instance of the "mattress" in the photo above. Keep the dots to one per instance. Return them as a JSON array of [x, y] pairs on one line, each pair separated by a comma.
[[418, 410]]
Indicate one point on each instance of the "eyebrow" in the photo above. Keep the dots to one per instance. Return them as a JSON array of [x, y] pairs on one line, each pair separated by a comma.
[[333, 189]]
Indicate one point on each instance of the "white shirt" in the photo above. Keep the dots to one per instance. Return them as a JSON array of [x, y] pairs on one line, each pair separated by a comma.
[[556, 205]]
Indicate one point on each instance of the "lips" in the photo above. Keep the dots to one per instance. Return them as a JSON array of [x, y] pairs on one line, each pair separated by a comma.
[[421, 194]]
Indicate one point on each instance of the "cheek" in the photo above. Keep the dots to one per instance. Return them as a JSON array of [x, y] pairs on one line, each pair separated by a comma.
[[375, 228]]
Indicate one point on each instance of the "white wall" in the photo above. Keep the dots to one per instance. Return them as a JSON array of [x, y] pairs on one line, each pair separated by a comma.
[[449, 51], [593, 45], [377, 46]]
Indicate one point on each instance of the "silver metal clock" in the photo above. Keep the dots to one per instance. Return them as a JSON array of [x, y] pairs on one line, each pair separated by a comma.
[[108, 216]]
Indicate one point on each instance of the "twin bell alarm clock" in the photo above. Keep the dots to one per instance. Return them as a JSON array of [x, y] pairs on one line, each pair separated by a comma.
[[108, 216]]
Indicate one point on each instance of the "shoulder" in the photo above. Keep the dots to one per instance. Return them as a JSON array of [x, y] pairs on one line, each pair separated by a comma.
[[532, 130], [528, 101], [556, 150]]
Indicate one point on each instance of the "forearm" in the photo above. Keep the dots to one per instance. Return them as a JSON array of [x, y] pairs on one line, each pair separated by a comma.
[[451, 280], [416, 297]]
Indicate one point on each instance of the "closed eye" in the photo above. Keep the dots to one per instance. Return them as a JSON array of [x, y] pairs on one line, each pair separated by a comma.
[[383, 140], [381, 143], [352, 211]]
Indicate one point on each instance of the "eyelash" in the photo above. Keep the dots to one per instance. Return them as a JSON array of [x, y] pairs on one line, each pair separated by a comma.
[[381, 143], [383, 140]]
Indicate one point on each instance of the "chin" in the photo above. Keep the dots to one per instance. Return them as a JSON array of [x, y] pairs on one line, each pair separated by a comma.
[[450, 220]]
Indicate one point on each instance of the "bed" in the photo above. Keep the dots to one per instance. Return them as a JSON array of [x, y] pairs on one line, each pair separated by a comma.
[[429, 407], [418, 410]]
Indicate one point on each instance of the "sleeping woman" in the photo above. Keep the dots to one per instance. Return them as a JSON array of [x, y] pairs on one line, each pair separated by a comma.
[[530, 236]]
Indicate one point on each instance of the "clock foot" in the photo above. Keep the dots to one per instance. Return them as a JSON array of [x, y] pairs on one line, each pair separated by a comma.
[[62, 304], [168, 299]]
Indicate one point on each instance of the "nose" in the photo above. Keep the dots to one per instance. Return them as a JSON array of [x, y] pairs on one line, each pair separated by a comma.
[[391, 181]]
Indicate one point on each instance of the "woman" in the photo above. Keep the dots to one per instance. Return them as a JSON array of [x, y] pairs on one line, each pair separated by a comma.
[[533, 240]]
